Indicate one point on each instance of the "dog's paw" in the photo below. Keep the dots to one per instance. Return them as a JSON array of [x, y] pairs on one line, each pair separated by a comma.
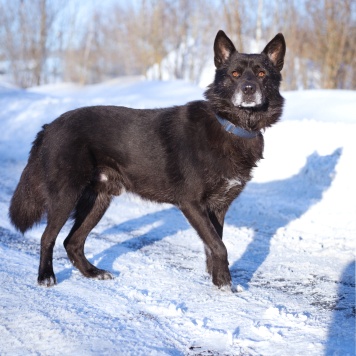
[[227, 288], [96, 273], [237, 288], [47, 281], [104, 275], [222, 277]]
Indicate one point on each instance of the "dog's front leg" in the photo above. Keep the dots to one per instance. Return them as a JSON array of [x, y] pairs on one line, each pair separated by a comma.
[[217, 219], [199, 218]]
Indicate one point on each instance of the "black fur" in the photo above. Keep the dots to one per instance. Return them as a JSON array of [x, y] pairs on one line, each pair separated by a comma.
[[179, 155]]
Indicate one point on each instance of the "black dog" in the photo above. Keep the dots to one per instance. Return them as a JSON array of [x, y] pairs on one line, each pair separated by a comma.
[[198, 156]]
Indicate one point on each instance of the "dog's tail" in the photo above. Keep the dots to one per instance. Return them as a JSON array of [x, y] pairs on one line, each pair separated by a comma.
[[28, 204]]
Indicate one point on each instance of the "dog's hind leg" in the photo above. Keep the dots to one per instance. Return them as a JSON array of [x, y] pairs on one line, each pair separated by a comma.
[[89, 210], [57, 216], [199, 218]]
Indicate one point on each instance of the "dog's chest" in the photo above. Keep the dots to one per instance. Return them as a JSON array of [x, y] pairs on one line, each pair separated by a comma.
[[225, 191], [231, 183], [230, 175]]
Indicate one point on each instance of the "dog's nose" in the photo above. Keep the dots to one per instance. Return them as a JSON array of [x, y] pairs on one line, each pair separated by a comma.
[[249, 88]]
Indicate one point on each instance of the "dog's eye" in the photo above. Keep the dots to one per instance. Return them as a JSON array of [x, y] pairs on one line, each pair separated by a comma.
[[235, 74], [261, 74]]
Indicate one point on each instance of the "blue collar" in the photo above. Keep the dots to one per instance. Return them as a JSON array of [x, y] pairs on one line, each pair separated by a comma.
[[236, 130]]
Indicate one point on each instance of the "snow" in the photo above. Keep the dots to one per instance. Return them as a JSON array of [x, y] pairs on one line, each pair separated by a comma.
[[290, 237]]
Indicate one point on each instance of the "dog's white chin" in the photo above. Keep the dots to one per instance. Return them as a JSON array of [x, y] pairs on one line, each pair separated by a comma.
[[248, 105], [240, 101]]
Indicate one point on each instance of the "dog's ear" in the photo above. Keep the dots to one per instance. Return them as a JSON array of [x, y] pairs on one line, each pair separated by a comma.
[[276, 50], [223, 48]]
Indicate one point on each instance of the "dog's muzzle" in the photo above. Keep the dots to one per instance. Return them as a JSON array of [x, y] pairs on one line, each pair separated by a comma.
[[247, 95]]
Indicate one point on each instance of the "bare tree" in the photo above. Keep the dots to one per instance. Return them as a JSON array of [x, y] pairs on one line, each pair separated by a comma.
[[170, 36], [25, 38], [331, 21], [285, 17], [234, 11]]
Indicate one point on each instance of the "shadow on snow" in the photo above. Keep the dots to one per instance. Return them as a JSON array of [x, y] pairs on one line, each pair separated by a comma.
[[266, 207], [341, 337]]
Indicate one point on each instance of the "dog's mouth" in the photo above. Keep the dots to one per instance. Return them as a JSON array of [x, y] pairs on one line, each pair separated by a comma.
[[247, 100]]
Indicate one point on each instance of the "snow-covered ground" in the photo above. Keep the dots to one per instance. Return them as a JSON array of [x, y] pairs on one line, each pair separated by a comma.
[[290, 237]]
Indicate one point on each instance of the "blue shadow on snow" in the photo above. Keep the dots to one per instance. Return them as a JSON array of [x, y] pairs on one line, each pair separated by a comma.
[[165, 228], [341, 337], [266, 207]]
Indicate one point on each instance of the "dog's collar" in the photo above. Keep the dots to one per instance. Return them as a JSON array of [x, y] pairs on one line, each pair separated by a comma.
[[236, 130]]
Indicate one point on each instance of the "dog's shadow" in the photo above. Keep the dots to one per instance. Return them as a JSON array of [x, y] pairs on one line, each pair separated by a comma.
[[267, 207], [262, 207]]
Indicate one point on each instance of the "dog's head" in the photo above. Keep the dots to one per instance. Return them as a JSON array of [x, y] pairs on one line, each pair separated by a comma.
[[246, 82]]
